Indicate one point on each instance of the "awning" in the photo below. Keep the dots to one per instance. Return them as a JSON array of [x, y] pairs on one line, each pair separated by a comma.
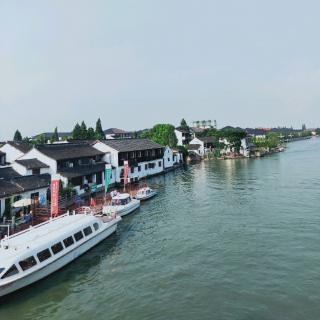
[[22, 203]]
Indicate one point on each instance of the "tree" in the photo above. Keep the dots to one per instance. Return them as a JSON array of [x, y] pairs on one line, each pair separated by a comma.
[[184, 125], [83, 131], [76, 133], [163, 134], [55, 136], [41, 139], [99, 131], [91, 134], [17, 136]]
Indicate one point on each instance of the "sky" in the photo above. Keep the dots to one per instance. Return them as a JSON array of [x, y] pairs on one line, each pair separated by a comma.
[[135, 63]]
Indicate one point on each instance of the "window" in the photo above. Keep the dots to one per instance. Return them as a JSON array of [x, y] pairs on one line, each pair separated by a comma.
[[1, 270], [68, 242], [36, 171], [132, 169], [96, 226], [78, 236], [168, 159], [87, 231], [151, 165], [160, 164], [11, 272], [99, 178], [139, 168], [44, 255], [146, 167], [56, 248], [28, 263]]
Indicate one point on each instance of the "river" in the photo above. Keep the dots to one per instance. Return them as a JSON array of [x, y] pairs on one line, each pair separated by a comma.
[[234, 239]]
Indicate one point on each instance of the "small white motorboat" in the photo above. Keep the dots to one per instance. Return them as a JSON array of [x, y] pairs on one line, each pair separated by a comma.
[[145, 194], [121, 204]]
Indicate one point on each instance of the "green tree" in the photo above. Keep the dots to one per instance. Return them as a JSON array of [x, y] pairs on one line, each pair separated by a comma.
[[163, 134], [184, 125], [83, 131], [99, 131], [91, 134], [76, 133], [41, 139], [17, 136], [55, 136]]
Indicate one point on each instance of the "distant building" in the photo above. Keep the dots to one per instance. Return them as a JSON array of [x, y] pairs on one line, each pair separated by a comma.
[[184, 136], [115, 133], [203, 145], [203, 124], [47, 136]]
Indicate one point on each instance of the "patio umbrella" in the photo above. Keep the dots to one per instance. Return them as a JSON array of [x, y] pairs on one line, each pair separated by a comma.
[[22, 203]]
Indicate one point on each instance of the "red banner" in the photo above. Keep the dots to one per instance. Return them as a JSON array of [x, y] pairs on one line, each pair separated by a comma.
[[126, 172], [55, 197]]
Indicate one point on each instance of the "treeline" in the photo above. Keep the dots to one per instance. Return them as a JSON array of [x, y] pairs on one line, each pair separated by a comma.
[[81, 132]]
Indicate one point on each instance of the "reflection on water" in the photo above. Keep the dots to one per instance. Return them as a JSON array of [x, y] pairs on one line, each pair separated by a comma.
[[234, 239]]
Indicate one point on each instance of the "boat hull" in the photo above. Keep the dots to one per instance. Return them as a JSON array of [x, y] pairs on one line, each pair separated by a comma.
[[59, 263], [147, 197]]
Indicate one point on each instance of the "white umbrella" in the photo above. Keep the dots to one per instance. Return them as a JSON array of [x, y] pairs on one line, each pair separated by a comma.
[[22, 203]]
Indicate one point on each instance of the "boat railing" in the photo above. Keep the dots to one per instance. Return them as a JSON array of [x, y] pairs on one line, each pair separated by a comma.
[[37, 226]]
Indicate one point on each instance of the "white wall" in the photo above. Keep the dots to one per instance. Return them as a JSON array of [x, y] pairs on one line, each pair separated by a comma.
[[36, 154], [111, 154], [168, 158], [12, 154], [179, 137]]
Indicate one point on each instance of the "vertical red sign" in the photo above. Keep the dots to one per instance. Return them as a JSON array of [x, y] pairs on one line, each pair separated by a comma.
[[55, 197], [126, 172]]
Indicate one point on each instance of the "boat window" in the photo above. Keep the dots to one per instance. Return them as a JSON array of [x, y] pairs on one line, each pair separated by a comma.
[[28, 263], [56, 248], [44, 255], [78, 236], [68, 242], [87, 231], [11, 272], [96, 226]]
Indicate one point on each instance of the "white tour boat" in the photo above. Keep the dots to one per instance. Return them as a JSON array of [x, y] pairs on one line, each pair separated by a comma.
[[121, 204], [145, 193], [35, 253]]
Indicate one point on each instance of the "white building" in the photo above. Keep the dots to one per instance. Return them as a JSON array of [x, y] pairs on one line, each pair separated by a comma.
[[14, 150], [202, 145], [144, 156], [184, 136], [115, 133], [14, 187], [79, 165]]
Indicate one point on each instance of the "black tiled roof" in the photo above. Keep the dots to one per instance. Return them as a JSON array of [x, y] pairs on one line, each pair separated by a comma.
[[82, 170], [127, 145], [32, 163], [33, 182], [8, 188], [66, 151], [208, 139], [21, 146], [8, 173], [193, 146], [48, 135], [114, 131], [183, 130], [22, 184]]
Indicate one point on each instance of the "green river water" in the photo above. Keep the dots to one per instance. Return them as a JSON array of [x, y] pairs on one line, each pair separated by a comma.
[[234, 239]]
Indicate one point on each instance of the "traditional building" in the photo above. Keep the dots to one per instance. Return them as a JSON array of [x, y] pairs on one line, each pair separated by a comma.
[[78, 165], [14, 187], [14, 150], [184, 135], [203, 145], [115, 133], [144, 156]]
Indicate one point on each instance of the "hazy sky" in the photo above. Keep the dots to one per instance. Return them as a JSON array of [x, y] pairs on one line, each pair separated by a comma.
[[136, 63]]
